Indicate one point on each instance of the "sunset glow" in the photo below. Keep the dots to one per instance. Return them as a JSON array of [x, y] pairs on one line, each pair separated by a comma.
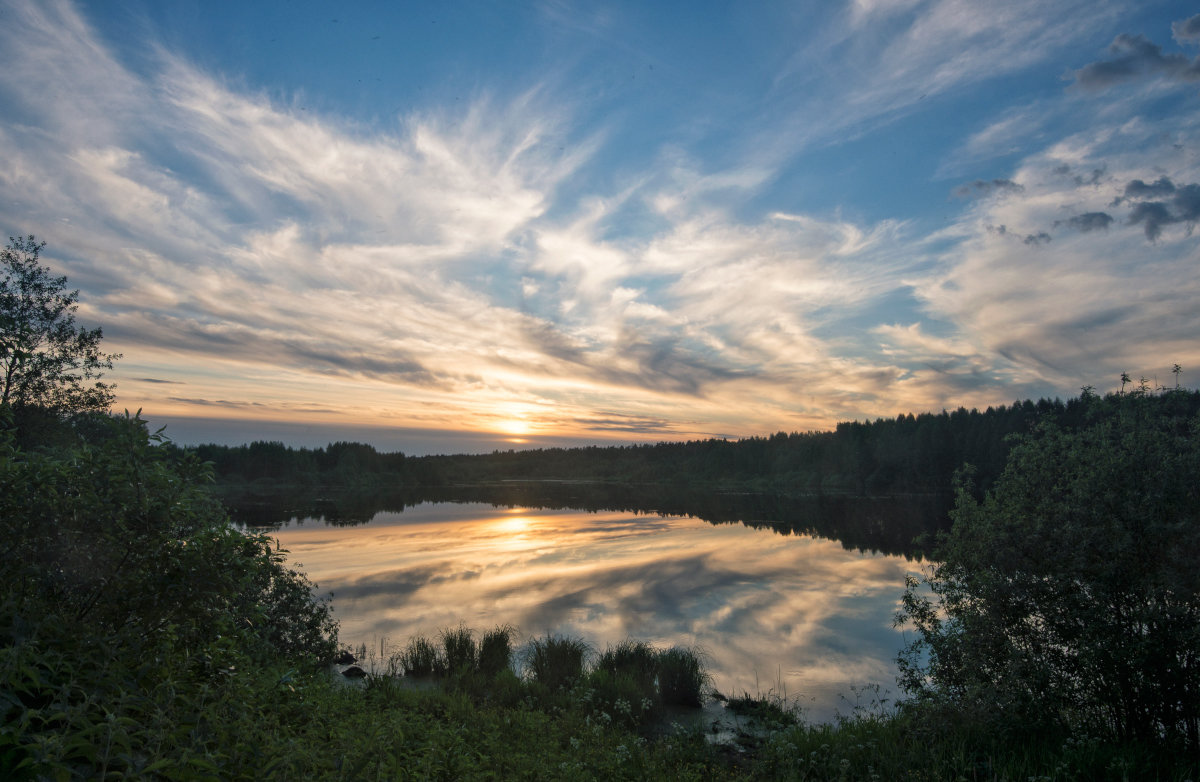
[[483, 226], [762, 605]]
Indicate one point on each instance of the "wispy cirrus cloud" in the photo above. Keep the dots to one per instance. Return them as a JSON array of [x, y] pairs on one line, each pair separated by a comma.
[[326, 250], [465, 266], [887, 57]]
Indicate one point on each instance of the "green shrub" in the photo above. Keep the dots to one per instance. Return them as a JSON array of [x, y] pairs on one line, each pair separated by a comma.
[[1069, 599], [767, 710], [132, 612]]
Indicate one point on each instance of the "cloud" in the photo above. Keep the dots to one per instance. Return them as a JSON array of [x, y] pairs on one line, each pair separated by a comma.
[[441, 267], [1181, 204], [1139, 189], [1186, 30], [1032, 239], [619, 422], [1000, 138], [1094, 177], [871, 63], [1082, 309], [1088, 222], [981, 188], [1134, 57], [257, 407]]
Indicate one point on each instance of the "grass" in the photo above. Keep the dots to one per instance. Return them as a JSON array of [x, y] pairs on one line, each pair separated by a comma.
[[636, 659], [768, 711], [420, 657], [556, 662], [257, 723], [682, 680], [495, 651], [459, 654]]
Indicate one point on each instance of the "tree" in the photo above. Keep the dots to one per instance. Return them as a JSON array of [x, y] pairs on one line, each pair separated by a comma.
[[47, 362], [1070, 598]]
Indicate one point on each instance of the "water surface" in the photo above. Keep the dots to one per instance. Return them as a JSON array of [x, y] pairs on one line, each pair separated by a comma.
[[792, 614]]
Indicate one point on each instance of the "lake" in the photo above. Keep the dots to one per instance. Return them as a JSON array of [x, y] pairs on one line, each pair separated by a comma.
[[772, 610]]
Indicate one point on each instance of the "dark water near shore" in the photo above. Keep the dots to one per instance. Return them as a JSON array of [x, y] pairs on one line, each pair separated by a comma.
[[765, 588]]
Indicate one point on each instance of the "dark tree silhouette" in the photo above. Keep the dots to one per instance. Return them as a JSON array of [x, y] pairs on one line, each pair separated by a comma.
[[47, 362]]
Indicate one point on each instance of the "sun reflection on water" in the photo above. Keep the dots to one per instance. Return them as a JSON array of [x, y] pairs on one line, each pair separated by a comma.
[[785, 612]]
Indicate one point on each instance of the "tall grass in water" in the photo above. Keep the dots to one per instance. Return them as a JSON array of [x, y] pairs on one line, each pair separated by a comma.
[[682, 680], [459, 654], [556, 661], [637, 660], [495, 650], [420, 657]]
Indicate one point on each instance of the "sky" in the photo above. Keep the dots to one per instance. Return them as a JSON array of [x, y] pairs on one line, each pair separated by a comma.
[[460, 227]]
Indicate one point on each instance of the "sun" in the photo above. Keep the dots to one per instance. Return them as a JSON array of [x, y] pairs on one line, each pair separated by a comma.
[[515, 426]]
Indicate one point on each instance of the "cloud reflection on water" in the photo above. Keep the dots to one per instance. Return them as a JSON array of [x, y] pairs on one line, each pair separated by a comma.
[[794, 613]]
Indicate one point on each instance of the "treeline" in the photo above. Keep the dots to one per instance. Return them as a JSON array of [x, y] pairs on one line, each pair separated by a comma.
[[897, 526], [907, 454]]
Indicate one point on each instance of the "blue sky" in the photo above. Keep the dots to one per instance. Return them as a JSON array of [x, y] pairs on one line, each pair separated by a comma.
[[488, 224]]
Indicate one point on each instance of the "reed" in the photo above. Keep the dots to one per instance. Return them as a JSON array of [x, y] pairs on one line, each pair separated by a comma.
[[556, 661], [682, 680], [495, 650], [459, 652], [420, 657], [636, 659]]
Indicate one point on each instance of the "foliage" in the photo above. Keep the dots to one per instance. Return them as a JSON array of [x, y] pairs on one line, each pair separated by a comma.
[[910, 745], [495, 650], [636, 659], [459, 652], [771, 710], [902, 455], [556, 661], [681, 677], [47, 362], [1068, 600], [128, 599], [420, 657]]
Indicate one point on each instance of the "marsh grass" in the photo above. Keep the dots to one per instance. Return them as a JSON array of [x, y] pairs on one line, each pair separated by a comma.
[[459, 652], [495, 651], [637, 660], [770, 711], [605, 721], [420, 657], [682, 680], [556, 661]]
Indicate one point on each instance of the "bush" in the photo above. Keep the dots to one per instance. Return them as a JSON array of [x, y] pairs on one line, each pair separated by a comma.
[[1069, 598], [129, 603]]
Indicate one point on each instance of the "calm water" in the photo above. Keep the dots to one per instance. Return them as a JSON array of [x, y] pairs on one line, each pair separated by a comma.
[[788, 613]]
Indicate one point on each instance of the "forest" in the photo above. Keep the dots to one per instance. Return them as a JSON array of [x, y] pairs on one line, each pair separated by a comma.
[[910, 454]]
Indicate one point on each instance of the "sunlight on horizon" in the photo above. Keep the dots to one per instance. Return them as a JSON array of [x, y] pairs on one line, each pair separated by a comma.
[[592, 242]]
